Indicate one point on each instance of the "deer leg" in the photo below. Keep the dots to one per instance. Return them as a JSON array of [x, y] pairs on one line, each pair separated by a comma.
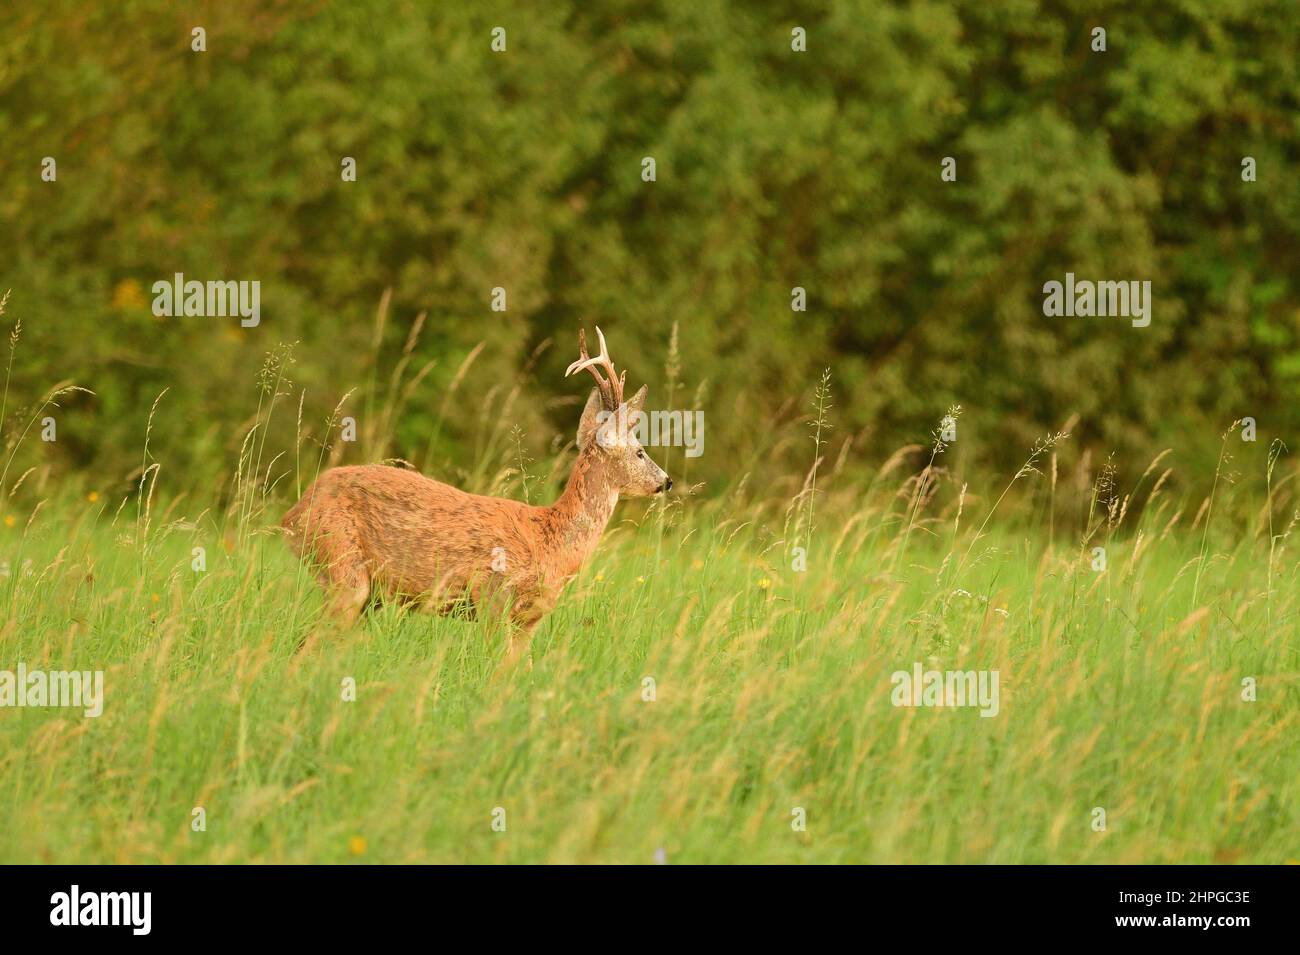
[[524, 618], [342, 573], [347, 587], [349, 595]]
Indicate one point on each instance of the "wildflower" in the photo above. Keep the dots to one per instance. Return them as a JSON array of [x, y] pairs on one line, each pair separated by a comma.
[[92, 497], [357, 845], [128, 295], [9, 520], [764, 584]]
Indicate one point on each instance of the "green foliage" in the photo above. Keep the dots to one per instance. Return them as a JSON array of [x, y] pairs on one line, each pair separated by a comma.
[[775, 169]]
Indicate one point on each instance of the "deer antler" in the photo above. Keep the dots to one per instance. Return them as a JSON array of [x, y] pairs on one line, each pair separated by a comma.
[[611, 388]]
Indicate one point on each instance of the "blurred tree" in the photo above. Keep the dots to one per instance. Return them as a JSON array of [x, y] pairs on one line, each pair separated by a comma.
[[522, 169]]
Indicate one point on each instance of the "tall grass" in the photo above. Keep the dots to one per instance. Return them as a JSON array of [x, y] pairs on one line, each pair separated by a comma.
[[1122, 689]]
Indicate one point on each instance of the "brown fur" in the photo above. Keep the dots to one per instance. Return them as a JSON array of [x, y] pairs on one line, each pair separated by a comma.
[[381, 531]]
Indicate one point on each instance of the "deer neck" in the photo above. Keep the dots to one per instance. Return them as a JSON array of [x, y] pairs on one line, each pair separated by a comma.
[[585, 507]]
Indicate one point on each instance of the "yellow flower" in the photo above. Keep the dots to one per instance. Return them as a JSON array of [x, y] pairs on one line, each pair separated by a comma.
[[9, 520], [764, 584], [357, 845], [92, 497], [154, 598], [640, 580], [599, 577], [128, 294], [697, 564]]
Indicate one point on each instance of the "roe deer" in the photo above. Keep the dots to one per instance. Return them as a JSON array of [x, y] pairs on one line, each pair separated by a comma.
[[382, 531]]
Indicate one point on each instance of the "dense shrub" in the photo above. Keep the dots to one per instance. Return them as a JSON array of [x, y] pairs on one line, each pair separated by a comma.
[[775, 169]]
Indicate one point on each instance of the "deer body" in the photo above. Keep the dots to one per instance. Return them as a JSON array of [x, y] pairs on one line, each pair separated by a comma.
[[373, 530]]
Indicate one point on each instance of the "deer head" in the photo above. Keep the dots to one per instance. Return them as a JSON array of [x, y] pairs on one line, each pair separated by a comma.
[[608, 426]]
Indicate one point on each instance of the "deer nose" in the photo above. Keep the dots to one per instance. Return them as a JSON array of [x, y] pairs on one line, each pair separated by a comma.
[[667, 485]]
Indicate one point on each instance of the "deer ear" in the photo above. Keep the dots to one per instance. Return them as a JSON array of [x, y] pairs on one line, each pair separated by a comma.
[[587, 425], [637, 402]]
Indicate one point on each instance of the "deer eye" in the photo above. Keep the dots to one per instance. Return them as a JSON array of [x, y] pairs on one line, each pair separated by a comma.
[[640, 453]]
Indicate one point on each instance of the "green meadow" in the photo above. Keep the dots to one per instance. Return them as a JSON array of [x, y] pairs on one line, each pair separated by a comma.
[[694, 697]]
